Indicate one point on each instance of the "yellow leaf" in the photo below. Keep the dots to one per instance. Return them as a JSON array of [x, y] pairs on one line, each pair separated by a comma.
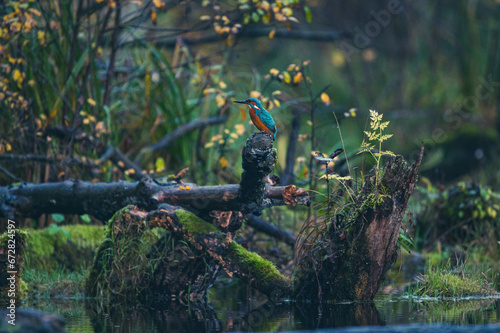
[[223, 85], [491, 212], [223, 162], [159, 4], [91, 101], [272, 33], [205, 18], [290, 67], [17, 76], [209, 144], [243, 115], [325, 98], [153, 16], [240, 128], [216, 137], [36, 12], [298, 78], [121, 164], [277, 103], [41, 37], [274, 71], [130, 172], [220, 100], [287, 11], [255, 94], [338, 59], [8, 147], [287, 77]]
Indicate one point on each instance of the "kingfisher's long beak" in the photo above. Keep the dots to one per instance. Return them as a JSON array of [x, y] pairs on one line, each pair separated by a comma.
[[241, 102]]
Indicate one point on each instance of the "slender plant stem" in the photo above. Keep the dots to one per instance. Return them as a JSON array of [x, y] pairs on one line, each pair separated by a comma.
[[114, 48]]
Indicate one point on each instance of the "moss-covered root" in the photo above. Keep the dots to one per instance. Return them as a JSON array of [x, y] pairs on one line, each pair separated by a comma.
[[235, 259], [216, 246], [182, 263], [139, 262], [12, 287], [258, 272]]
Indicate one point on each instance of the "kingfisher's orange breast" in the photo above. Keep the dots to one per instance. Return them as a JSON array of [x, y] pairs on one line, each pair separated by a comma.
[[257, 122]]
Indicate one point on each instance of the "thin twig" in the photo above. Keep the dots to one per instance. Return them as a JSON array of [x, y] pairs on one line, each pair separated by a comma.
[[168, 139], [10, 174], [112, 58]]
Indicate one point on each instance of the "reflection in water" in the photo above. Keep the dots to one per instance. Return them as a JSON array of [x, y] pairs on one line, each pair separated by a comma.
[[255, 314], [337, 315]]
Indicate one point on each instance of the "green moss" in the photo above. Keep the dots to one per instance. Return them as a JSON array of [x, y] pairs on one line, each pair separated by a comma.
[[193, 224], [23, 289], [124, 265], [442, 283], [72, 247], [260, 268]]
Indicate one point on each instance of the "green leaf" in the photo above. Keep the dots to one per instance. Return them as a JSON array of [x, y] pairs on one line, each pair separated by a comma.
[[85, 218], [160, 164], [307, 10], [54, 229], [404, 246], [57, 217], [255, 17], [408, 240]]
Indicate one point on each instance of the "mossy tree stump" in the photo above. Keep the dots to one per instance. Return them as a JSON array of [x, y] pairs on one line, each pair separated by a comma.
[[351, 256]]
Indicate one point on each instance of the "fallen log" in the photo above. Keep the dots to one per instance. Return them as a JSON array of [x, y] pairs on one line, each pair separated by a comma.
[[102, 200]]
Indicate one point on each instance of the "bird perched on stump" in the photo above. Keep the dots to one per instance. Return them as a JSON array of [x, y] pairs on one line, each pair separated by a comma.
[[260, 117]]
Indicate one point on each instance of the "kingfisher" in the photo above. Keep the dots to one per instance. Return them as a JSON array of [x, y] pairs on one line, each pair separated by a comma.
[[260, 117]]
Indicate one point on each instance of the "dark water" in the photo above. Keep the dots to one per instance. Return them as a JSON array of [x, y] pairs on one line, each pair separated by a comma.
[[254, 314]]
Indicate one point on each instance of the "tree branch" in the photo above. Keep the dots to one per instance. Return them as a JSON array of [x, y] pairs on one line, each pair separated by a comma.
[[260, 225], [105, 151], [322, 36], [72, 161], [168, 139]]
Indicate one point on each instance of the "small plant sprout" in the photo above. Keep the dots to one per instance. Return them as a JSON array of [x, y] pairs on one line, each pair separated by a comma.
[[372, 142]]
